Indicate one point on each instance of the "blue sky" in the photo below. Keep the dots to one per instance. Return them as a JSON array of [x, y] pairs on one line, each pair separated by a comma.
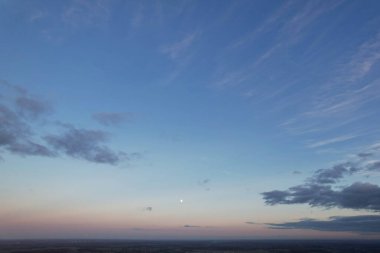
[[189, 119]]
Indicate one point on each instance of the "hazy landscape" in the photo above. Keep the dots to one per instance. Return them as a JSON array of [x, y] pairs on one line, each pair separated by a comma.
[[189, 126], [120, 246]]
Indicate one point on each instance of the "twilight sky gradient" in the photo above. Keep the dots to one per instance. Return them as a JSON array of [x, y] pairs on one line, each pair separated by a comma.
[[189, 119]]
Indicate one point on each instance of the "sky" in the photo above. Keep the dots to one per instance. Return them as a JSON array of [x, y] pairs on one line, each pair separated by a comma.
[[189, 119]]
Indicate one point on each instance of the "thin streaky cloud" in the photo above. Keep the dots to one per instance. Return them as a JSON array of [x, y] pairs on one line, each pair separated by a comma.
[[191, 226], [138, 17], [365, 59], [312, 11], [112, 118], [178, 49], [348, 100], [235, 78], [331, 141], [267, 25], [84, 13], [37, 15]]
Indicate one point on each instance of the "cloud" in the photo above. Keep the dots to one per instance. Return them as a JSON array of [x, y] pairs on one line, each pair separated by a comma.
[[296, 172], [84, 12], [148, 208], [177, 49], [331, 141], [234, 78], [16, 134], [250, 222], [365, 154], [138, 16], [320, 190], [310, 13], [204, 184], [31, 107], [363, 61], [292, 24], [30, 148], [345, 101], [332, 175], [204, 181], [19, 114], [347, 96], [85, 144], [266, 26], [37, 15], [374, 166], [191, 226], [356, 224], [356, 196], [111, 118]]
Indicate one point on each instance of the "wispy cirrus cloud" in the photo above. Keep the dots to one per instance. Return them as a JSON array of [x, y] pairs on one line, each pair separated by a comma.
[[363, 61], [178, 49], [337, 100], [84, 12], [290, 24], [311, 12], [347, 91], [233, 79], [348, 100], [37, 15], [332, 141]]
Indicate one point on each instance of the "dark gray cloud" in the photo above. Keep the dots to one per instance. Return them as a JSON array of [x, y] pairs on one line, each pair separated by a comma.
[[148, 208], [16, 135], [250, 222], [335, 173], [296, 172], [191, 226], [111, 118], [31, 107], [85, 144], [374, 166], [321, 189], [205, 184], [30, 148], [11, 127], [313, 194], [359, 195], [21, 115], [365, 154], [332, 175], [357, 224]]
